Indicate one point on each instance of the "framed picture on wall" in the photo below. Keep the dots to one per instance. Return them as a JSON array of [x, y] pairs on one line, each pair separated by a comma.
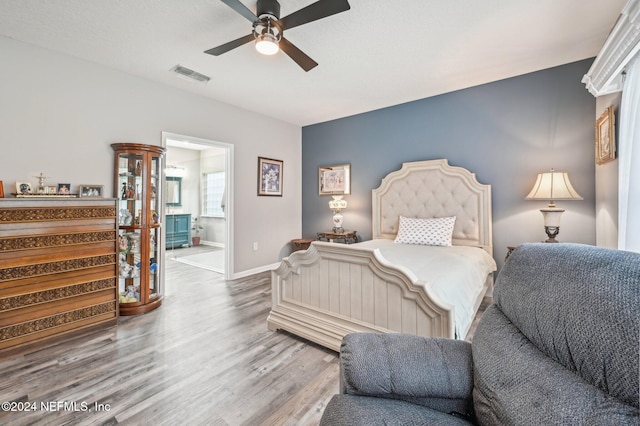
[[334, 180], [270, 176], [605, 137]]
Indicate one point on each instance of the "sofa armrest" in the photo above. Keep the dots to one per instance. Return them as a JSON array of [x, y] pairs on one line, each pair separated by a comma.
[[406, 366]]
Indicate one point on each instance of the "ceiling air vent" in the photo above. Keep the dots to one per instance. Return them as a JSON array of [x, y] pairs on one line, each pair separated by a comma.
[[191, 75]]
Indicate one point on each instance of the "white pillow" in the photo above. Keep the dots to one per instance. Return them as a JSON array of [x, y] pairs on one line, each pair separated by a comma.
[[427, 232]]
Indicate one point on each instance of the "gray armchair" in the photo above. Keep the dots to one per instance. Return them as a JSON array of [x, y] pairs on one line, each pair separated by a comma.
[[558, 346]]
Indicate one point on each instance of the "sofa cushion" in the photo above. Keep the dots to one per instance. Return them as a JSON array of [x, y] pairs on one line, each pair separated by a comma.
[[353, 410], [578, 305], [406, 365], [517, 384], [560, 345]]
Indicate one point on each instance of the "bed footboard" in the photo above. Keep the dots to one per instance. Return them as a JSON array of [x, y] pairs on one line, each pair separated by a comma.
[[331, 290]]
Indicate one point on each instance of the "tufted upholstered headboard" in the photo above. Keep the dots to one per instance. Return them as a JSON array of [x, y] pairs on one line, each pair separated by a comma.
[[433, 188]]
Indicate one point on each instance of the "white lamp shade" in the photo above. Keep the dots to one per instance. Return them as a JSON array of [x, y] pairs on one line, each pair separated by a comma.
[[337, 203], [553, 186]]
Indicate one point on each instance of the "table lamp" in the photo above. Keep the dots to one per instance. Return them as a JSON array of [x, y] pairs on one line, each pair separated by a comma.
[[552, 186], [337, 205]]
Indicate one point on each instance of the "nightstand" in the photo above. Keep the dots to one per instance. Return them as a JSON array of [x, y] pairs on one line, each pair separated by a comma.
[[344, 237], [301, 243]]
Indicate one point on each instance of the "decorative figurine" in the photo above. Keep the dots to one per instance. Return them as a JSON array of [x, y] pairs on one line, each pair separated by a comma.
[[41, 189]]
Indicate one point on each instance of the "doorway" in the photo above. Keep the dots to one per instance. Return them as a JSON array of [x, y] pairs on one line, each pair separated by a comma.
[[198, 203]]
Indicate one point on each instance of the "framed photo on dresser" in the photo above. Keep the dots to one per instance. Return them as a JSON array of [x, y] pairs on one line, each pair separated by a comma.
[[93, 191], [23, 188], [64, 188]]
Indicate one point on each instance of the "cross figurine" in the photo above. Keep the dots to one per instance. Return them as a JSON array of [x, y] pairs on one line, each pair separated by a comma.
[[41, 178]]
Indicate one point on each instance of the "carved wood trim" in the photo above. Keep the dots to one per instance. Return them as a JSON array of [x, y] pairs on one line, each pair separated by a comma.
[[44, 241], [55, 267], [44, 214], [35, 326], [54, 294]]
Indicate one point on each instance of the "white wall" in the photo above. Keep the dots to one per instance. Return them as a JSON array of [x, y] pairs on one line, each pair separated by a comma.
[[189, 160], [214, 227], [59, 115], [607, 184]]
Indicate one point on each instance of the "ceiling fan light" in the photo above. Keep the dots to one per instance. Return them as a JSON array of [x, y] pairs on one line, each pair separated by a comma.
[[267, 44]]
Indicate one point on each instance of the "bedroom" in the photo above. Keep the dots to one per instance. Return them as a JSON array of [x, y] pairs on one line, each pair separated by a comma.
[[82, 107], [60, 113]]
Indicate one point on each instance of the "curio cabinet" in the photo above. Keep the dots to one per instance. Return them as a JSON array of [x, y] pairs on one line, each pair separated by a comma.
[[138, 188]]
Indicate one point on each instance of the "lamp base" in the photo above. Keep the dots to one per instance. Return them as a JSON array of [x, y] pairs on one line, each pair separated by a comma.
[[552, 233], [338, 229], [337, 221]]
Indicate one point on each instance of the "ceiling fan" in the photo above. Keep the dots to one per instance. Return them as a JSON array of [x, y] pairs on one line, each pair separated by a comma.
[[268, 28]]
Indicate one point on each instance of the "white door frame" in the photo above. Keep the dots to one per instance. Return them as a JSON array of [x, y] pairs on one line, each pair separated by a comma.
[[228, 247]]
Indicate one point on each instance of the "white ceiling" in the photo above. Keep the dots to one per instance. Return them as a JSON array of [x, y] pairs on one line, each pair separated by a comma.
[[379, 53]]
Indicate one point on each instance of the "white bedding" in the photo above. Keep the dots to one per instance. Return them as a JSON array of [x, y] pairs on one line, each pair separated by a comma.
[[453, 274]]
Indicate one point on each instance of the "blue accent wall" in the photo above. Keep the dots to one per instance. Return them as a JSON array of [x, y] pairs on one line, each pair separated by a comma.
[[506, 132]]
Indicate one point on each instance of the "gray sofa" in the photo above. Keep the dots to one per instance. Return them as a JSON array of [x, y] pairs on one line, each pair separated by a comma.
[[558, 346]]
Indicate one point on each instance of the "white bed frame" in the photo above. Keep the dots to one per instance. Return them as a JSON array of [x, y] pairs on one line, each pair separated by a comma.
[[331, 290]]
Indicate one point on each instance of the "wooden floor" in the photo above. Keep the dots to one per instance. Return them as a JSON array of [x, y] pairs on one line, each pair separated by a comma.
[[205, 357]]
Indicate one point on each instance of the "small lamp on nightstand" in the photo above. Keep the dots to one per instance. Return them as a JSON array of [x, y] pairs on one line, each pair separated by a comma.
[[552, 186], [337, 205]]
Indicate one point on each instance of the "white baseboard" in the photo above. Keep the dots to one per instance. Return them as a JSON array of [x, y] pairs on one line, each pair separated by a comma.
[[212, 244], [243, 274]]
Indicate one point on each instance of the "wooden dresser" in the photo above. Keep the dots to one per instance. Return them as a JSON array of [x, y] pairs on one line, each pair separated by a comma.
[[58, 269]]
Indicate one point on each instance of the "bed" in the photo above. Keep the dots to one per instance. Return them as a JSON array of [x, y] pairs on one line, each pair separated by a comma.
[[330, 290]]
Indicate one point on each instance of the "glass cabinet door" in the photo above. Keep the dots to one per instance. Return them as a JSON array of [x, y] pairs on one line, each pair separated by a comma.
[[155, 280], [130, 188], [139, 193], [130, 265], [130, 211]]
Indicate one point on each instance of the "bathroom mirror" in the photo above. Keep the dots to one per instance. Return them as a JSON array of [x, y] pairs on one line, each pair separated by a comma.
[[174, 191]]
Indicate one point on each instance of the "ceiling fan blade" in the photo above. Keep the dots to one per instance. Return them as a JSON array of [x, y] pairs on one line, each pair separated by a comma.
[[241, 9], [313, 12], [224, 48], [298, 56]]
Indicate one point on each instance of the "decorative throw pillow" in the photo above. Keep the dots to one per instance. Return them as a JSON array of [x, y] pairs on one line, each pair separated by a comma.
[[428, 232]]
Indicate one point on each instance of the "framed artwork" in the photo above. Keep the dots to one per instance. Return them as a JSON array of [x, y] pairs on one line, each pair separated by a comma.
[[91, 191], [64, 188], [605, 137], [23, 188], [334, 180], [270, 177], [51, 189]]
